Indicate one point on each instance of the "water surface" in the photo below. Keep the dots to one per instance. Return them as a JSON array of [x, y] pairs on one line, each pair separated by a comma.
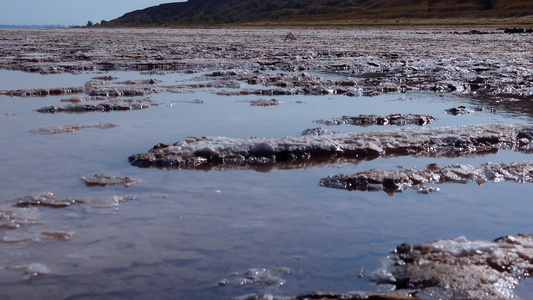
[[187, 230]]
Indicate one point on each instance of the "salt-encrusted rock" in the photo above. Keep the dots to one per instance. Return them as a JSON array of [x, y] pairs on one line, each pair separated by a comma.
[[392, 119], [460, 110], [32, 270], [130, 104], [71, 128], [398, 180], [460, 268], [103, 180], [257, 276], [264, 102], [329, 296], [14, 217], [434, 142], [43, 92], [47, 199], [316, 131], [350, 296]]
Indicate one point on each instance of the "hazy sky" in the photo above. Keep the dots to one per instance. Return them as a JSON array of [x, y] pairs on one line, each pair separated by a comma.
[[68, 12]]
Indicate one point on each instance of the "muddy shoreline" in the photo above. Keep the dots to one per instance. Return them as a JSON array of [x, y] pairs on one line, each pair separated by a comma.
[[376, 61]]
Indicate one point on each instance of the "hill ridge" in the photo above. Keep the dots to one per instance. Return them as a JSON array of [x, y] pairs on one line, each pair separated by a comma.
[[214, 12]]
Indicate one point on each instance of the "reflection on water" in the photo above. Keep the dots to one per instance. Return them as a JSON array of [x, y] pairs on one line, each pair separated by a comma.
[[180, 232]]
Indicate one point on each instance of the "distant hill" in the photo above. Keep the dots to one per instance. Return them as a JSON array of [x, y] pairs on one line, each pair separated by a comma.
[[308, 11]]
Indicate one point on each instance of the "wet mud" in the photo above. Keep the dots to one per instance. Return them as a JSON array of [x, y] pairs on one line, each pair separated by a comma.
[[430, 142]]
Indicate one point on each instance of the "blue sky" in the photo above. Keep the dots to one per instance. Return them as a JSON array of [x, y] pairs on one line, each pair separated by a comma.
[[68, 12]]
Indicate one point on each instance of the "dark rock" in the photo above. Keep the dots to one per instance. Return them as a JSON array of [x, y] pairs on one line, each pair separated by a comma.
[[106, 78], [403, 248], [514, 30], [460, 110], [290, 37]]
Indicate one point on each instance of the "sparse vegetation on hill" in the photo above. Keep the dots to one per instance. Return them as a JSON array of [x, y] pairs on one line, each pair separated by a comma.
[[213, 12]]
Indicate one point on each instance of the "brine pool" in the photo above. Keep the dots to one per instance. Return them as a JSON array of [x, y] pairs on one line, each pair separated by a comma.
[[188, 230]]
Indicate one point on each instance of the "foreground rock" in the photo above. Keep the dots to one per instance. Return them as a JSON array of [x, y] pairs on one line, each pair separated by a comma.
[[460, 269], [447, 269], [433, 142], [393, 181], [392, 119]]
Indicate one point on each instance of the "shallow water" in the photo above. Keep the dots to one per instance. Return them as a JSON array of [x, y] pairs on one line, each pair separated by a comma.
[[187, 230]]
